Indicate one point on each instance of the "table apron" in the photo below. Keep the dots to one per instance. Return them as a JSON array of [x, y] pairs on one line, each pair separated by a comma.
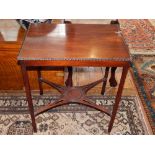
[[76, 63]]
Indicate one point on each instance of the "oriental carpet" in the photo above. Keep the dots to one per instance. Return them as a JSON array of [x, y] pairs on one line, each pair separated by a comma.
[[72, 119], [139, 34]]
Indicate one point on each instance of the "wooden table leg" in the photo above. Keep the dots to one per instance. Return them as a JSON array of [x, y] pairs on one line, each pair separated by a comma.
[[105, 82], [118, 97], [28, 95], [39, 81], [69, 81], [112, 80]]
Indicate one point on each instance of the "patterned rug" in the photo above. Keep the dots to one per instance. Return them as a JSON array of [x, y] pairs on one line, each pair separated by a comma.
[[145, 66], [143, 71], [71, 119], [139, 34]]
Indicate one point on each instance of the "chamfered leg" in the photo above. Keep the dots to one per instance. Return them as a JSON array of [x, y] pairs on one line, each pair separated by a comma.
[[118, 97], [28, 95]]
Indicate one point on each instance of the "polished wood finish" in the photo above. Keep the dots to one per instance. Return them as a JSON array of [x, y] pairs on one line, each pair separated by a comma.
[[112, 80], [10, 71], [65, 41], [73, 94], [60, 45]]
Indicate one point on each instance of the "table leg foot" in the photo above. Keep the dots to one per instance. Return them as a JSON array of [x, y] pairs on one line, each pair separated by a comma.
[[109, 129], [34, 128], [112, 80]]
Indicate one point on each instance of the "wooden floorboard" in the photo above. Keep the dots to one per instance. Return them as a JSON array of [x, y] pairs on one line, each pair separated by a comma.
[[11, 37]]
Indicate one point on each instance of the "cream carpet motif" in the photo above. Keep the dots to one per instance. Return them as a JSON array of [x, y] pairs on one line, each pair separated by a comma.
[[72, 119]]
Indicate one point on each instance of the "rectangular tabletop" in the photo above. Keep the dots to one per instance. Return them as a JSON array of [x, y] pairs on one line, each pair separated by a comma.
[[74, 42], [73, 45]]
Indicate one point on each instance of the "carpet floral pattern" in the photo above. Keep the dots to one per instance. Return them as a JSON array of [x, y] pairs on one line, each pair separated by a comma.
[[140, 37], [145, 66], [71, 119]]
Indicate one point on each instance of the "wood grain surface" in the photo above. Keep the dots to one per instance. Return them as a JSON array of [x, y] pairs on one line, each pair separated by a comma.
[[10, 72], [73, 41]]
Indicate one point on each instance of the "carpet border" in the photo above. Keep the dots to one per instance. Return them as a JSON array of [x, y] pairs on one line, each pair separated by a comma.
[[143, 96]]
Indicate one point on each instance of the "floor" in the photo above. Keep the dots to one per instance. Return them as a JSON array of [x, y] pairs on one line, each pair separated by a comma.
[[9, 29]]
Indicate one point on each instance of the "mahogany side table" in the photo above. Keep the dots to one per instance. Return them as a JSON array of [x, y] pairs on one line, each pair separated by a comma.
[[60, 45]]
